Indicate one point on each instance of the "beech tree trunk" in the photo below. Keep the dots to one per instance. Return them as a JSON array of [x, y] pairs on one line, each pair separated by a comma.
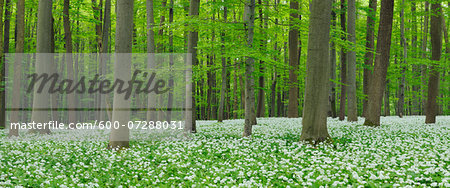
[[332, 97], [250, 116], [69, 61], [315, 109], [401, 92], [120, 137], [190, 88], [368, 57], [43, 63], [105, 58], [378, 78], [224, 73], [4, 66], [436, 51], [293, 61], [151, 114], [2, 73], [424, 54], [20, 22], [343, 66], [351, 66]]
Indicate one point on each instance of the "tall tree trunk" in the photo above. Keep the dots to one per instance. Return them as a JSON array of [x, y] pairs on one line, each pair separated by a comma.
[[224, 72], [20, 22], [68, 37], [170, 84], [351, 66], [151, 114], [416, 69], [260, 110], [104, 56], [250, 116], [43, 63], [332, 96], [343, 66], [120, 137], [315, 109], [7, 25], [436, 51], [378, 78], [424, 53], [293, 61], [194, 6], [98, 26], [401, 92], [368, 57], [2, 74]]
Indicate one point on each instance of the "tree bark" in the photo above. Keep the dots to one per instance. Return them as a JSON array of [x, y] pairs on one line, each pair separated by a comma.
[[416, 68], [343, 66], [378, 78], [387, 109], [2, 74], [401, 92], [224, 72], [20, 22], [120, 137], [250, 116], [261, 110], [293, 61], [368, 57], [351, 66], [104, 56], [436, 51], [43, 62], [332, 96], [190, 88], [315, 109], [69, 61], [424, 54], [151, 115]]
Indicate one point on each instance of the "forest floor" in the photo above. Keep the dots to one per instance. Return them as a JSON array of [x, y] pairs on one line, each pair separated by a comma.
[[401, 152]]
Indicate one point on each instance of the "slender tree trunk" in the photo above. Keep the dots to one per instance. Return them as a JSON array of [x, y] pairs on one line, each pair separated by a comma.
[[190, 88], [260, 110], [378, 78], [170, 84], [151, 115], [424, 54], [2, 74], [120, 137], [315, 109], [436, 51], [293, 61], [416, 69], [7, 25], [43, 62], [368, 57], [224, 72], [351, 66], [332, 96], [343, 65], [68, 37], [401, 92], [20, 22], [104, 56], [250, 116]]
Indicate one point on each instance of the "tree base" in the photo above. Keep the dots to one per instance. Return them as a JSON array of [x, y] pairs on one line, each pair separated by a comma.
[[317, 141], [370, 123]]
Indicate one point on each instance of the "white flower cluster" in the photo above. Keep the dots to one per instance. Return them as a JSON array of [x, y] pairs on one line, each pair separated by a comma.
[[403, 152]]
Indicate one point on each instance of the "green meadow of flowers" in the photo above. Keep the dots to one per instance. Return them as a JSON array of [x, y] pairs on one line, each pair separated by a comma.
[[402, 152]]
